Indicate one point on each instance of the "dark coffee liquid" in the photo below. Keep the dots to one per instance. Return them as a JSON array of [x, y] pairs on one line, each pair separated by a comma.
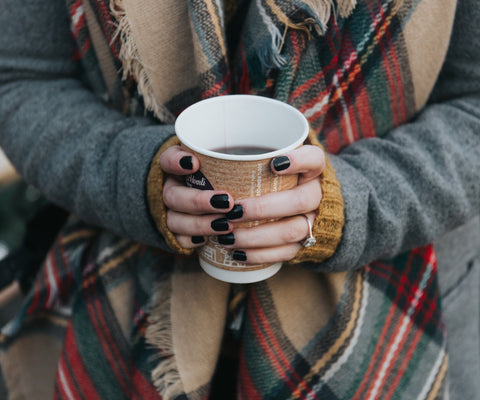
[[244, 150]]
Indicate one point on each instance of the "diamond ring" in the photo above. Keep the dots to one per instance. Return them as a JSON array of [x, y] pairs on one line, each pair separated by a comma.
[[310, 240]]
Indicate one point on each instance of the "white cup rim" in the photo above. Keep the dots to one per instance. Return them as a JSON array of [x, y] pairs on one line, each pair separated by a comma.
[[242, 157]]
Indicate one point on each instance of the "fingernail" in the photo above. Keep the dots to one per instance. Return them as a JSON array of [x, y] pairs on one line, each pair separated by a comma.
[[220, 201], [281, 163], [220, 224], [197, 239], [236, 212], [229, 238], [186, 162], [239, 255]]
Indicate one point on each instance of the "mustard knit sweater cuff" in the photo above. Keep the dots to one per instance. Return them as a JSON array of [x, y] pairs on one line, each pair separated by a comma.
[[155, 199], [327, 227]]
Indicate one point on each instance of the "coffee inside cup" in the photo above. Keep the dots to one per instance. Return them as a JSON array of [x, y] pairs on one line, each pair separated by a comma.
[[244, 150]]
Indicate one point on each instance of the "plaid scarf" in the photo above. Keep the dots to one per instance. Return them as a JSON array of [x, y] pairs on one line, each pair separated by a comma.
[[132, 322]]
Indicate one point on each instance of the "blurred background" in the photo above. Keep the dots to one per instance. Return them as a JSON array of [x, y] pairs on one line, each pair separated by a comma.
[[18, 203]]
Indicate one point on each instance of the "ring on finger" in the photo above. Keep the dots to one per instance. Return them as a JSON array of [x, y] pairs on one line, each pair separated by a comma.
[[310, 240]]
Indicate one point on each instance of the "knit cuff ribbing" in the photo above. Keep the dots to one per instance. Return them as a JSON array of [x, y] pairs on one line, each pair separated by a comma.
[[156, 205], [329, 221]]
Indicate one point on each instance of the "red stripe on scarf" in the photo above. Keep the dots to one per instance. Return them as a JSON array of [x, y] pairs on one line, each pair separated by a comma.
[[105, 19], [71, 356], [273, 348], [244, 77], [386, 327], [394, 77], [429, 259], [48, 301], [246, 387], [362, 104], [375, 360], [346, 87], [66, 274], [79, 24], [216, 90], [405, 289], [275, 360], [349, 80], [405, 360], [144, 387], [65, 387], [102, 331]]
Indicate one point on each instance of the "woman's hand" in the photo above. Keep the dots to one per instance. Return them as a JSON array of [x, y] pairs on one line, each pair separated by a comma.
[[279, 240], [195, 214], [192, 214]]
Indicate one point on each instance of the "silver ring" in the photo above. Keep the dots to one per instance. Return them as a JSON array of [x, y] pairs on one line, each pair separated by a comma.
[[310, 240]]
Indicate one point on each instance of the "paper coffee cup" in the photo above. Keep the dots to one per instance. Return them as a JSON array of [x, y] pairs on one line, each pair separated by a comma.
[[237, 123]]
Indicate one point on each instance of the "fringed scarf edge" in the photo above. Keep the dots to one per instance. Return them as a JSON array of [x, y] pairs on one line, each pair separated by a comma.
[[165, 376], [132, 64], [321, 11]]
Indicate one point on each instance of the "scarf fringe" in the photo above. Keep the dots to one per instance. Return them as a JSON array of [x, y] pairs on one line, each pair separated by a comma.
[[322, 11], [132, 64], [345, 7], [165, 376], [269, 53]]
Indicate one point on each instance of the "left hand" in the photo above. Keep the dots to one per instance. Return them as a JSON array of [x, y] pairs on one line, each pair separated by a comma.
[[279, 240]]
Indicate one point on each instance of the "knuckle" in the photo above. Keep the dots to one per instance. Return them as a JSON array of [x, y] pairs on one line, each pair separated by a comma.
[[291, 252], [170, 220], [184, 242], [295, 232], [322, 161], [302, 201], [169, 197], [198, 225], [315, 194], [260, 208], [198, 201]]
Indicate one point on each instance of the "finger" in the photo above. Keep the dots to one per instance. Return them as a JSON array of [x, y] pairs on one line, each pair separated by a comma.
[[268, 255], [299, 200], [176, 161], [272, 234], [190, 242], [197, 225], [181, 198], [308, 160]]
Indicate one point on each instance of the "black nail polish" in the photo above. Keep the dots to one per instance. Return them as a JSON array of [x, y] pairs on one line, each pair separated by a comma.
[[239, 255], [220, 224], [220, 201], [229, 238], [236, 212], [281, 163], [197, 239], [186, 162]]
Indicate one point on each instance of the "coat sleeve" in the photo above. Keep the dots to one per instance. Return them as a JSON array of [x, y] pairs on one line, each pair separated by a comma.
[[62, 139], [423, 179]]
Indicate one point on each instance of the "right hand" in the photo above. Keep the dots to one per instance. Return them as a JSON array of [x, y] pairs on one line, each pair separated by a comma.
[[192, 214]]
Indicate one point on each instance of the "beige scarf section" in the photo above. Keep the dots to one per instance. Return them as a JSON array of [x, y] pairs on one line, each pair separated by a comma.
[[189, 313], [159, 47]]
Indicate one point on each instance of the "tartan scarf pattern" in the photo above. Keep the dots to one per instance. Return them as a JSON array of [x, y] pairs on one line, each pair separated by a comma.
[[383, 338]]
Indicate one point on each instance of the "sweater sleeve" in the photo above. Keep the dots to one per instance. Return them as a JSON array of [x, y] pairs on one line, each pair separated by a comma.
[[421, 180], [82, 155]]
